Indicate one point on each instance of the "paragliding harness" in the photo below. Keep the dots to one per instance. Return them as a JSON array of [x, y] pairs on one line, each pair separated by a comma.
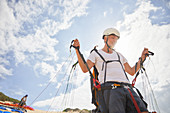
[[116, 84], [96, 86]]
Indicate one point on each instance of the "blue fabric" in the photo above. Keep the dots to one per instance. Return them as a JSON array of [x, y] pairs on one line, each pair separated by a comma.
[[14, 110], [6, 112], [3, 108]]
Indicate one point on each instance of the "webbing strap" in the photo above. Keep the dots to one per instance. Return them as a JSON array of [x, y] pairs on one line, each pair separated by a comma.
[[105, 73], [141, 67], [99, 54], [109, 61], [122, 66], [134, 101], [140, 95]]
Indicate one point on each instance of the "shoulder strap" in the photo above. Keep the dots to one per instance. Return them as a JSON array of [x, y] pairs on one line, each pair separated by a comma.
[[104, 61], [99, 54], [122, 65]]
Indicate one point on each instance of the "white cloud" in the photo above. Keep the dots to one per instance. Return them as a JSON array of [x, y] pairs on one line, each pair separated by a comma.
[[81, 98], [167, 3], [41, 85], [105, 13], [138, 32], [58, 86], [4, 61], [4, 71], [46, 69], [8, 21], [19, 92], [27, 27], [2, 76]]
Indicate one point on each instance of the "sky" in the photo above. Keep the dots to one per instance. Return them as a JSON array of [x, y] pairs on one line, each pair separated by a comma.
[[35, 37]]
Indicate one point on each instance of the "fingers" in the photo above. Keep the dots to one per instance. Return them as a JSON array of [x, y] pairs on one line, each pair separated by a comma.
[[145, 51], [76, 43]]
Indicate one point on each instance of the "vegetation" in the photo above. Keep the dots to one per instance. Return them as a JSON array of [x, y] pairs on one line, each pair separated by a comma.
[[3, 97], [67, 109], [76, 110]]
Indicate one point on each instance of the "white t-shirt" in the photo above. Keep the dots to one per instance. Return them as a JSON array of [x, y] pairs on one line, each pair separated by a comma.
[[114, 70]]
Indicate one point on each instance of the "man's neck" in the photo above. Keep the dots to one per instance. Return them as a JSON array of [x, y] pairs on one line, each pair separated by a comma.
[[105, 49]]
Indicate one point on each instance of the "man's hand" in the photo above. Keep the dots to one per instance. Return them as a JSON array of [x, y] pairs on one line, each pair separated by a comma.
[[76, 43], [145, 51]]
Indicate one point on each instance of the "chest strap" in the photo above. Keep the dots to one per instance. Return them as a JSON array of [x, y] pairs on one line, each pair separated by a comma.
[[109, 61]]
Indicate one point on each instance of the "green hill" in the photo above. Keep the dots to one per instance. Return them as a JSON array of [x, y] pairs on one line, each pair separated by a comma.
[[76, 110], [3, 97]]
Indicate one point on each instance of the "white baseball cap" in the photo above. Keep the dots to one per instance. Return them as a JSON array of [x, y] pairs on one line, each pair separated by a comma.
[[111, 31]]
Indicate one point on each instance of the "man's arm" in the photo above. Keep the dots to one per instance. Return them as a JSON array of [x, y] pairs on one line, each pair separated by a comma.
[[131, 70], [81, 63]]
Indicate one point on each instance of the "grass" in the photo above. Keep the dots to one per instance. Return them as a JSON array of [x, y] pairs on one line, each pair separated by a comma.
[[3, 97]]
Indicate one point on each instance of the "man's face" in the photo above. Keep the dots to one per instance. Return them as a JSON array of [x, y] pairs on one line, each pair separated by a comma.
[[112, 40]]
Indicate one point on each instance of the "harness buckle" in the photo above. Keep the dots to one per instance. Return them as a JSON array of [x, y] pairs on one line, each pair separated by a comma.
[[96, 84], [114, 86], [125, 86]]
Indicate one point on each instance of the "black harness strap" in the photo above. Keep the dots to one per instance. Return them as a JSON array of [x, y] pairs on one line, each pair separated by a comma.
[[99, 54], [109, 61], [122, 66]]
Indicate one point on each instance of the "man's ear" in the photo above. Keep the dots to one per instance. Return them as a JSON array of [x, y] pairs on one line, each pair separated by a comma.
[[105, 38]]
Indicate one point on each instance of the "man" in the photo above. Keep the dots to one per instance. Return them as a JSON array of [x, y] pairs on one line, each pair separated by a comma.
[[112, 66], [23, 100]]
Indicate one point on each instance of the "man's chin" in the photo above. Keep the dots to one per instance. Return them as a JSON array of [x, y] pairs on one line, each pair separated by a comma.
[[112, 47]]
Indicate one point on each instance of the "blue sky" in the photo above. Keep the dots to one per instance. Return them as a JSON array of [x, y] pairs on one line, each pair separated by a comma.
[[35, 36]]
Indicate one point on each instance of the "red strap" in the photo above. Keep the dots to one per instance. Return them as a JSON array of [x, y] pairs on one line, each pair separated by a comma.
[[133, 82], [134, 101], [96, 83]]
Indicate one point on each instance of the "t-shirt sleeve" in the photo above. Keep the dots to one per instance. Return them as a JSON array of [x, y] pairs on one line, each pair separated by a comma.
[[92, 57], [124, 60]]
